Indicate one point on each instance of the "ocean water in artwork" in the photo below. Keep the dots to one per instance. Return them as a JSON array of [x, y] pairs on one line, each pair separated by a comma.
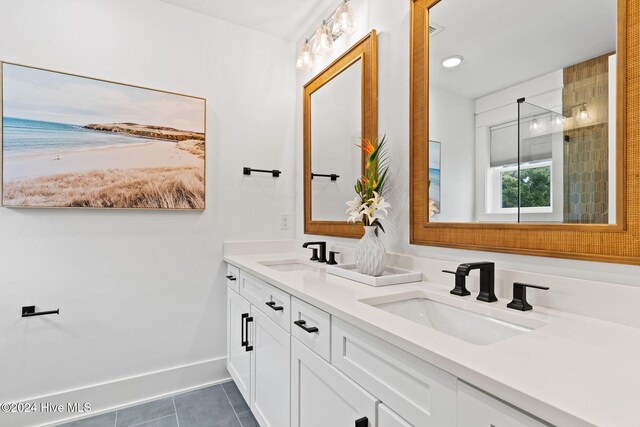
[[21, 136]]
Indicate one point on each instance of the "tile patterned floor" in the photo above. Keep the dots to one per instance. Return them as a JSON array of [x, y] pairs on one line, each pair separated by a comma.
[[216, 406]]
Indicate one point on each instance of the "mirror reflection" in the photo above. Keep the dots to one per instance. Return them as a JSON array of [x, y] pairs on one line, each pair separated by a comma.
[[336, 127], [522, 120]]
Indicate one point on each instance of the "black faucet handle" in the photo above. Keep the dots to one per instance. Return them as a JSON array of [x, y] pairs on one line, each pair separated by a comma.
[[332, 257], [460, 288], [314, 254], [519, 301]]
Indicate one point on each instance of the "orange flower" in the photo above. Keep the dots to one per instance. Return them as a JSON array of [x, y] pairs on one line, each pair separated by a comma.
[[366, 146], [364, 179]]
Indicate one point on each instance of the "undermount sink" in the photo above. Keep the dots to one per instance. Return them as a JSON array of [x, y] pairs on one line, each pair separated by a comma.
[[289, 265], [463, 324]]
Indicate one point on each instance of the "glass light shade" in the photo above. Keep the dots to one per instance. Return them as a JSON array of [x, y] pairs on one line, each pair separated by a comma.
[[583, 114], [558, 120], [535, 126], [323, 40], [305, 57], [343, 24]]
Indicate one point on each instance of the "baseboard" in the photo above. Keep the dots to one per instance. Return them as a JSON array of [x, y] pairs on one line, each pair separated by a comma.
[[121, 393]]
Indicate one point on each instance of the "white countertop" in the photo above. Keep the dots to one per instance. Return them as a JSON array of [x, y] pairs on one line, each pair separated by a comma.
[[573, 371]]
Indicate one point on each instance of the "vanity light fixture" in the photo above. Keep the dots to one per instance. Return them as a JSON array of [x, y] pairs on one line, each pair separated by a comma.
[[452, 61], [323, 40], [343, 24], [339, 24], [305, 57], [583, 114], [535, 127]]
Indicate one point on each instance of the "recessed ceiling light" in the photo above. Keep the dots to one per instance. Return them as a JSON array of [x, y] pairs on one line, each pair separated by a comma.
[[452, 61]]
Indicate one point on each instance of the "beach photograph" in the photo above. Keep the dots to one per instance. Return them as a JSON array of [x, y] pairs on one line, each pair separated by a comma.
[[434, 173], [76, 142]]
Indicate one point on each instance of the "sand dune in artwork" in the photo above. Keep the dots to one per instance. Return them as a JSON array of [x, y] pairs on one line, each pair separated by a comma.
[[151, 188]]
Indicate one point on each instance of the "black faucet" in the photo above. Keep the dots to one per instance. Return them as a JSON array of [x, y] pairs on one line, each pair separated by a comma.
[[487, 280], [322, 247]]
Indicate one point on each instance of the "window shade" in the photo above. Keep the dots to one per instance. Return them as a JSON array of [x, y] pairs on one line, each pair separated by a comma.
[[536, 136]]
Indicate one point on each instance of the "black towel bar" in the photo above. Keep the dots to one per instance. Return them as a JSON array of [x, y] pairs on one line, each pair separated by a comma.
[[333, 176], [30, 311], [247, 171]]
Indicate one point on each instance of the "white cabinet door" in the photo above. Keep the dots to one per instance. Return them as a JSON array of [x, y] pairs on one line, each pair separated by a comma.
[[270, 370], [388, 418], [478, 409], [238, 358], [321, 396], [419, 392]]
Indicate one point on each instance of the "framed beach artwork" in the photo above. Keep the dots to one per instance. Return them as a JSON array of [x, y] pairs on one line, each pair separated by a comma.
[[434, 173], [76, 142]]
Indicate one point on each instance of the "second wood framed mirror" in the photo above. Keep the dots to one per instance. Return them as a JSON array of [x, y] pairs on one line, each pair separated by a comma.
[[521, 133], [340, 107]]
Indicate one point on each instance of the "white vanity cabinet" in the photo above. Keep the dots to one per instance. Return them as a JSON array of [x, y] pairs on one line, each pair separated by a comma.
[[421, 393], [258, 355], [238, 358], [270, 366], [388, 418], [298, 366], [321, 396], [476, 408]]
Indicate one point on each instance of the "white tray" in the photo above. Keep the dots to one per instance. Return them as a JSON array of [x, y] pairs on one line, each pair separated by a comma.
[[391, 275]]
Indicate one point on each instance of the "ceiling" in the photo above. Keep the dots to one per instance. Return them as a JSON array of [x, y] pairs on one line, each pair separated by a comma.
[[281, 18], [506, 42]]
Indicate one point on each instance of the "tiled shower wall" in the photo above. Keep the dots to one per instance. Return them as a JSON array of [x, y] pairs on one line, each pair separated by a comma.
[[586, 148]]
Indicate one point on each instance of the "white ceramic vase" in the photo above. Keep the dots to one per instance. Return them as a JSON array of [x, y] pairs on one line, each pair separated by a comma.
[[371, 257]]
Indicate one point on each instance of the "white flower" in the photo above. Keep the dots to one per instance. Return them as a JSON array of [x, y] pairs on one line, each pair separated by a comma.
[[354, 205], [369, 211], [355, 210], [378, 204]]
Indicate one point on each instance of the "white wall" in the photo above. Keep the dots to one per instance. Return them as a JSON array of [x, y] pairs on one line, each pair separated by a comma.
[[142, 291], [452, 122], [391, 19]]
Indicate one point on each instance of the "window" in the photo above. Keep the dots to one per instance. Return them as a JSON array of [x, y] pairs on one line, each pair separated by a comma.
[[535, 186], [535, 153]]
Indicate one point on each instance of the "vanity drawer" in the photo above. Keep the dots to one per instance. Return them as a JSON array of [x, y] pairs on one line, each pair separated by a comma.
[[273, 302], [317, 340], [388, 418], [233, 277], [417, 391], [476, 408]]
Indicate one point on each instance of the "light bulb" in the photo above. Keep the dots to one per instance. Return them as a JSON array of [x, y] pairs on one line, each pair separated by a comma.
[[583, 114], [305, 57], [343, 24]]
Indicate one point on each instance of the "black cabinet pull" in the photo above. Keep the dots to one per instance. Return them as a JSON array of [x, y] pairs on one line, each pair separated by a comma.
[[273, 306], [243, 342], [231, 277], [247, 346], [362, 422], [302, 323]]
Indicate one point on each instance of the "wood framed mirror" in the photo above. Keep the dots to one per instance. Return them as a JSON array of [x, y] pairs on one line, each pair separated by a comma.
[[340, 107], [524, 127]]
